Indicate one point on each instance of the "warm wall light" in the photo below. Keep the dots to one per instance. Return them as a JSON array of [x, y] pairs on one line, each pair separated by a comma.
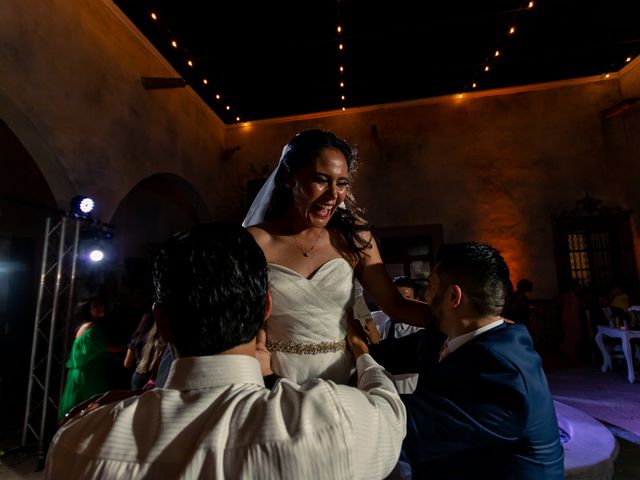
[[174, 44], [154, 16]]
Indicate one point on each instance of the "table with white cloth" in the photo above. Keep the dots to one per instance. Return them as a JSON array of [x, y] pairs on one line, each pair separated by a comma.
[[625, 336]]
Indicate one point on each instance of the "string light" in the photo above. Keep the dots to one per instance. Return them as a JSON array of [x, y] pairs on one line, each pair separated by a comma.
[[512, 30], [339, 29], [530, 4], [628, 59], [189, 61], [341, 69], [340, 47], [497, 53], [341, 84], [344, 109], [607, 76], [474, 85], [486, 68], [342, 97]]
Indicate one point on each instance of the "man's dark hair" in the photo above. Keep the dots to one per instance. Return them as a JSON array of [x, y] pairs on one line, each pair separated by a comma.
[[524, 285], [404, 281], [479, 270], [212, 281]]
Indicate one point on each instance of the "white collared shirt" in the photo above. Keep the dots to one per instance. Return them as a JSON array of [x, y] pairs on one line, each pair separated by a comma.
[[215, 419], [456, 342]]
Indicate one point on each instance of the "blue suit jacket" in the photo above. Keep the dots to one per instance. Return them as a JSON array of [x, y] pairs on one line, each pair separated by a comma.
[[485, 411]]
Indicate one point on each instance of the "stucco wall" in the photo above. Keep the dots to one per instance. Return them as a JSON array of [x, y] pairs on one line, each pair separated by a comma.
[[492, 166], [70, 90]]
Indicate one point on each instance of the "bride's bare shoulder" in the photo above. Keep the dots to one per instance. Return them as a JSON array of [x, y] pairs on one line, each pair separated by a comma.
[[262, 232]]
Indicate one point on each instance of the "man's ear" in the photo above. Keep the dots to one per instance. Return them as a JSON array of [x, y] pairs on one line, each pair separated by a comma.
[[267, 310], [455, 296], [162, 322]]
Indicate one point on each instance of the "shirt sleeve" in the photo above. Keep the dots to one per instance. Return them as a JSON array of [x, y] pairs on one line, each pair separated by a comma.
[[377, 419]]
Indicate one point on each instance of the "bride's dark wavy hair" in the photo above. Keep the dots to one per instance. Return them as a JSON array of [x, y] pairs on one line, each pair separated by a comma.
[[299, 153]]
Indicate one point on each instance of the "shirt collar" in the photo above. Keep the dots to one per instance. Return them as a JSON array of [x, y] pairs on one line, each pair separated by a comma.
[[191, 373], [456, 342]]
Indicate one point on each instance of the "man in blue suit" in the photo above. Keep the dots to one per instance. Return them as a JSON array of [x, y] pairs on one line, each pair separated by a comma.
[[482, 407]]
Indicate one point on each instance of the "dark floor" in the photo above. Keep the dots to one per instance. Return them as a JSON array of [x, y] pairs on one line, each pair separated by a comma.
[[607, 397]]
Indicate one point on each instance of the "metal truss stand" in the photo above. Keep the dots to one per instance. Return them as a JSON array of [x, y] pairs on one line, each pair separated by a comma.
[[51, 331]]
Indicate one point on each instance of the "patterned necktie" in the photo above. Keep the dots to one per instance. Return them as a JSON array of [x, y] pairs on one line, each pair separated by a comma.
[[444, 351]]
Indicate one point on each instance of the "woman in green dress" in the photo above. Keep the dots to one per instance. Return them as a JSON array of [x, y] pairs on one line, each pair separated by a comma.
[[86, 374]]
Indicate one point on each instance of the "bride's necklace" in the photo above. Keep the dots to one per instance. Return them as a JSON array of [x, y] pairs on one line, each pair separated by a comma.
[[307, 253]]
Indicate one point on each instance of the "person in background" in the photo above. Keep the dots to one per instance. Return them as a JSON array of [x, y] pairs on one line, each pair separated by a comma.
[[86, 375], [382, 324], [135, 351], [519, 309], [215, 418]]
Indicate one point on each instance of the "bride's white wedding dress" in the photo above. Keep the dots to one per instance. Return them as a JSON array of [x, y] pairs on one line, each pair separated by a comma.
[[308, 324]]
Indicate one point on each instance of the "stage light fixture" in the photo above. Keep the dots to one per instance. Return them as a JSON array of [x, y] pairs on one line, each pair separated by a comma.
[[96, 255], [82, 205]]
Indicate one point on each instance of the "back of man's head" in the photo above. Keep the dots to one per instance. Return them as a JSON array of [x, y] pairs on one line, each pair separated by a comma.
[[479, 270], [211, 281]]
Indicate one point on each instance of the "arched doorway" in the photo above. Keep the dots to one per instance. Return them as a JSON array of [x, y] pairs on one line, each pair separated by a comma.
[[26, 200]]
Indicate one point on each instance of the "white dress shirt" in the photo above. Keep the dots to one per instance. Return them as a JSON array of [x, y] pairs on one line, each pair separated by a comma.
[[456, 342], [215, 419]]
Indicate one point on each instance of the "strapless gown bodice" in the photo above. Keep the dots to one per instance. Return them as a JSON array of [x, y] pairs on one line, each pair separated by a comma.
[[309, 322]]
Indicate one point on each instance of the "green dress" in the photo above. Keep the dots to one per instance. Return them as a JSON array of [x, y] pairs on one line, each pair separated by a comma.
[[86, 376]]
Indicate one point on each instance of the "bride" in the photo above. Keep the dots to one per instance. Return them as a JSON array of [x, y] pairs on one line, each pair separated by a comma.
[[316, 242]]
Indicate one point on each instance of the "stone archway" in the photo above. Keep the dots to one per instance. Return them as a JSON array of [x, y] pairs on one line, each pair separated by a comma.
[[153, 210]]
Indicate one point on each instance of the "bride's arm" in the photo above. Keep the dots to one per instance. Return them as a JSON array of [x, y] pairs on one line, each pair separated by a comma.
[[373, 276]]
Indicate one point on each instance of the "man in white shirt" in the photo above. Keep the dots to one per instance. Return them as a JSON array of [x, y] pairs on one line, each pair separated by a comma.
[[215, 418]]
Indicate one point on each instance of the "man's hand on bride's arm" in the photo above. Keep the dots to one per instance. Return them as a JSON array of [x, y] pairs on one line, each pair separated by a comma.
[[262, 354], [371, 329], [356, 337]]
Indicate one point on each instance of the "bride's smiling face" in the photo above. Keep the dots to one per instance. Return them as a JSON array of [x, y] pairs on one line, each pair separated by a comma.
[[320, 187]]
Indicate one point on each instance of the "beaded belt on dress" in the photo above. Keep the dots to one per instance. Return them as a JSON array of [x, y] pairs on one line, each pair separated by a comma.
[[306, 348]]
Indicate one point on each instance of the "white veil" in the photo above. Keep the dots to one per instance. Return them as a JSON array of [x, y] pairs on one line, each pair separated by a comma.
[[258, 208]]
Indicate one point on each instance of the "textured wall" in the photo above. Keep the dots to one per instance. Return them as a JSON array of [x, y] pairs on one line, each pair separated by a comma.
[[70, 90], [490, 167]]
